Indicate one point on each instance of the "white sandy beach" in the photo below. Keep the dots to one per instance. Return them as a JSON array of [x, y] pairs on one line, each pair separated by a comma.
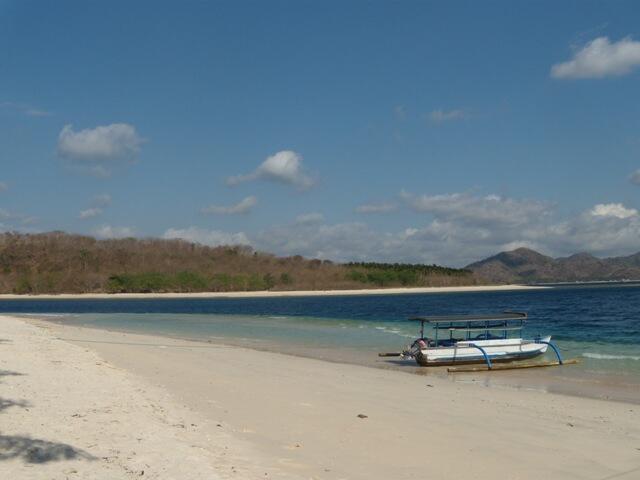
[[269, 293], [84, 403]]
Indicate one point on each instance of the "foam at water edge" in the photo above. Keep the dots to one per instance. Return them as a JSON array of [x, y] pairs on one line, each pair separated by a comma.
[[604, 356]]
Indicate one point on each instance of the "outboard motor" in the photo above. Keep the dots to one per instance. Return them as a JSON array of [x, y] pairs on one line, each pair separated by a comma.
[[415, 347]]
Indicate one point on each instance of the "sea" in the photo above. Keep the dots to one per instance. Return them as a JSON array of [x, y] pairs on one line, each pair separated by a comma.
[[598, 324]]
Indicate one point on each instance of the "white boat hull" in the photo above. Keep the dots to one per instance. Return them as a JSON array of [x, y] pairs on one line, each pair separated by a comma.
[[498, 350]]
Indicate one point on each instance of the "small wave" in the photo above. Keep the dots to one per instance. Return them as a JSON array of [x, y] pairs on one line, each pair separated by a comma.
[[604, 356], [395, 331]]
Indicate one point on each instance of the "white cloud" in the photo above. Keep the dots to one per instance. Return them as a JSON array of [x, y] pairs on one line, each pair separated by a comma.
[[90, 213], [484, 210], [463, 228], [340, 242], [212, 238], [635, 177], [376, 208], [242, 207], [282, 167], [600, 58], [108, 231], [616, 210], [309, 218], [3, 187], [442, 116], [98, 149]]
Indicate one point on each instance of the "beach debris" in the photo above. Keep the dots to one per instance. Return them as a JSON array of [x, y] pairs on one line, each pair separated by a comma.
[[362, 415], [429, 385], [569, 424]]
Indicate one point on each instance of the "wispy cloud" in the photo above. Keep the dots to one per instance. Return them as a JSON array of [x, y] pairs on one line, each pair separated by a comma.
[[442, 116], [212, 238], [24, 109], [16, 218], [282, 167], [35, 112], [108, 231], [102, 200], [242, 207], [90, 213], [635, 177], [6, 214], [400, 112], [98, 204], [3, 187], [97, 149], [484, 210], [600, 58], [376, 208], [309, 218]]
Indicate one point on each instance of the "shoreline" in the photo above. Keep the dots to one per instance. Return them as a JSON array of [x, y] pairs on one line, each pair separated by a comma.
[[553, 380], [267, 294], [239, 413]]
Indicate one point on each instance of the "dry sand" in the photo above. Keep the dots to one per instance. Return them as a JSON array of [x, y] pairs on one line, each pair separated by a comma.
[[126, 403], [297, 293]]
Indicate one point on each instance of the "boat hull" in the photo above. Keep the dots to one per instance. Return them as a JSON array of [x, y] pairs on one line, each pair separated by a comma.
[[503, 350]]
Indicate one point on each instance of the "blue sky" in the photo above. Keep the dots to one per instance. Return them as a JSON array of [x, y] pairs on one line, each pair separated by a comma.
[[400, 131]]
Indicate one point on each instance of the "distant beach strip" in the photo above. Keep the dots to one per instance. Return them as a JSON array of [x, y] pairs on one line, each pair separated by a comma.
[[283, 293]]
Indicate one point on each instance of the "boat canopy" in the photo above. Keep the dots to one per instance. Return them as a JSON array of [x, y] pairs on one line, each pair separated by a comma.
[[487, 323], [504, 316]]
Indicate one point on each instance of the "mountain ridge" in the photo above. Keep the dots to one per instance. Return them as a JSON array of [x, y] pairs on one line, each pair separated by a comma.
[[524, 265]]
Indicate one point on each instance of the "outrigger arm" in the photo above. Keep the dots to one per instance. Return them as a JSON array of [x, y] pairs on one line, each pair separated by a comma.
[[555, 349], [484, 354]]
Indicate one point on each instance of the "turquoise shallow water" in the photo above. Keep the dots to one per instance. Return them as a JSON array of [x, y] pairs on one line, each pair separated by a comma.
[[600, 325]]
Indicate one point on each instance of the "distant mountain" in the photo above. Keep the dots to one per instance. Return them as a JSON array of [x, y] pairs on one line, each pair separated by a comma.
[[524, 265]]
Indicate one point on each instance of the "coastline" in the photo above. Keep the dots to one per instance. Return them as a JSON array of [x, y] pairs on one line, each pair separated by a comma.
[[571, 380], [261, 293], [287, 417]]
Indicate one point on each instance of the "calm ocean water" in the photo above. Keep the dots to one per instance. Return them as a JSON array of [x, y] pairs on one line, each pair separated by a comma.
[[598, 324]]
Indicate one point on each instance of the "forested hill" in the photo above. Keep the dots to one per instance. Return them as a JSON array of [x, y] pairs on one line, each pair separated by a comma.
[[62, 263]]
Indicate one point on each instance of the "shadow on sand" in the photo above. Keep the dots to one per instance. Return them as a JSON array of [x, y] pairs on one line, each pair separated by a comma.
[[6, 403], [34, 450]]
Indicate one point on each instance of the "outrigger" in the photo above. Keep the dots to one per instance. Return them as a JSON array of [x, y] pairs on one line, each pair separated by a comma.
[[478, 339]]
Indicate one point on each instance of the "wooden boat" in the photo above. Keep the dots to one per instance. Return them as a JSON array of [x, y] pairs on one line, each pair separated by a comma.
[[474, 339]]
